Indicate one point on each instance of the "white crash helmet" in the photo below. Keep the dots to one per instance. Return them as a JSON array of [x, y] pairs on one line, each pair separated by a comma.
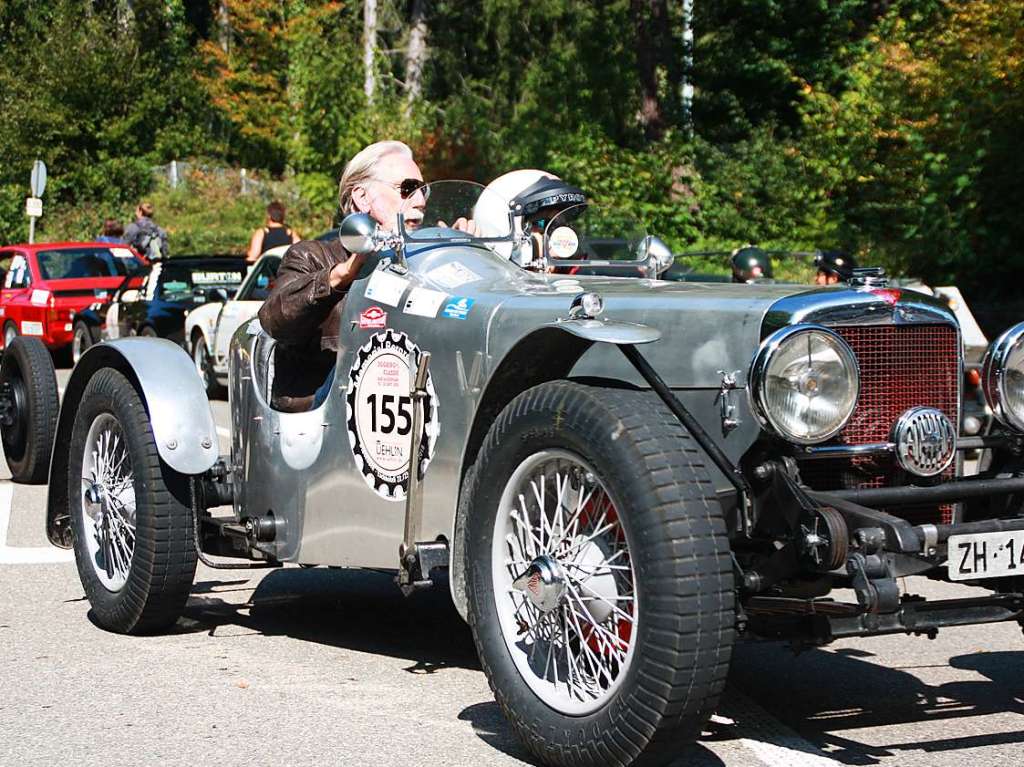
[[492, 209]]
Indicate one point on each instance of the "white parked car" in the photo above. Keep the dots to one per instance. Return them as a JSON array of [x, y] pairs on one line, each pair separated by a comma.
[[208, 329]]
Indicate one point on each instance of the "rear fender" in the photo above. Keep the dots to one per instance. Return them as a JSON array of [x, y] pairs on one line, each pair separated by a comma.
[[179, 413]]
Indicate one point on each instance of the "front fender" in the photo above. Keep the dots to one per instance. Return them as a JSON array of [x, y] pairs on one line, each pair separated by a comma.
[[179, 414]]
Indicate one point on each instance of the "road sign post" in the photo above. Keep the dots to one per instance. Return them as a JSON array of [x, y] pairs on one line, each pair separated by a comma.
[[34, 204]]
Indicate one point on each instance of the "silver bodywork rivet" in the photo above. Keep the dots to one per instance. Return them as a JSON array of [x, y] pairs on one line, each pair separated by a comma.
[[172, 444], [207, 443]]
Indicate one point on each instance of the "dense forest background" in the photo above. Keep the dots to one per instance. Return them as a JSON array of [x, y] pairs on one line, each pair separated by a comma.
[[887, 127]]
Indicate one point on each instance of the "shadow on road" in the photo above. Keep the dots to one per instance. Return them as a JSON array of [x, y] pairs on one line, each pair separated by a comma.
[[820, 694], [352, 609]]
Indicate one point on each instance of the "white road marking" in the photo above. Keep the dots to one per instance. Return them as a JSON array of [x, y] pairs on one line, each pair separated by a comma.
[[15, 555], [767, 738]]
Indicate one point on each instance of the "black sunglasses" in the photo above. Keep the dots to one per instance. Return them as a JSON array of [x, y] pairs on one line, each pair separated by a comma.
[[408, 187]]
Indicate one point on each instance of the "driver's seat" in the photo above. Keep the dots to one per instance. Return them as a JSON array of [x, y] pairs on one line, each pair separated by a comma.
[[264, 364]]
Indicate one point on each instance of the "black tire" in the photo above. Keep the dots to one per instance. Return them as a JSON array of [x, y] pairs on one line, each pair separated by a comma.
[[152, 586], [654, 476], [149, 332], [10, 333], [29, 404], [204, 365], [82, 339]]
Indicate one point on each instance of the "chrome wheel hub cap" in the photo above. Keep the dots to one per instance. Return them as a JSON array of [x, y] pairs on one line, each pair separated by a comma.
[[108, 502], [543, 583], [564, 582]]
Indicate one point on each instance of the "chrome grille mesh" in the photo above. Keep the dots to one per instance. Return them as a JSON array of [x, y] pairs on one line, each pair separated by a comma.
[[901, 366]]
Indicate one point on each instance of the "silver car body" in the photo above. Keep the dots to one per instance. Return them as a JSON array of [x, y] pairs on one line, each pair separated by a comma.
[[517, 333]]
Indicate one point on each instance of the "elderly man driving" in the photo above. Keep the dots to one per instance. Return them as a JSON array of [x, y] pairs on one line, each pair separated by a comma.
[[303, 311]]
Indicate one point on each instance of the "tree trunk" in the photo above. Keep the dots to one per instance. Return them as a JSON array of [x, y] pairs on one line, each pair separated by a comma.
[[369, 47], [416, 54], [224, 26], [650, 18]]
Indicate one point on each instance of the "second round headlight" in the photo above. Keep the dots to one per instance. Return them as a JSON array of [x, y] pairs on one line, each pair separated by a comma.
[[1002, 377], [804, 383]]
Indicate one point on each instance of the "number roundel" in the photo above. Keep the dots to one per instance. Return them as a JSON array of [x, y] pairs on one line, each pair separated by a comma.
[[380, 413]]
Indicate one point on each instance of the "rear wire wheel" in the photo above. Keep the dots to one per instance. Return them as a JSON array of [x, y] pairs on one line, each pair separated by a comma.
[[598, 577], [130, 512]]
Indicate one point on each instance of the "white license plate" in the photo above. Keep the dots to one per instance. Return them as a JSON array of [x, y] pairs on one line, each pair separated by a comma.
[[986, 555]]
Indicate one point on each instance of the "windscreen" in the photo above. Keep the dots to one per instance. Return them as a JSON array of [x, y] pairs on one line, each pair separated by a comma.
[[179, 282], [591, 233], [76, 263], [433, 212], [259, 285]]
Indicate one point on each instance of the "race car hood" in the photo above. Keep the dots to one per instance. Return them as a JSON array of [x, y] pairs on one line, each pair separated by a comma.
[[705, 327]]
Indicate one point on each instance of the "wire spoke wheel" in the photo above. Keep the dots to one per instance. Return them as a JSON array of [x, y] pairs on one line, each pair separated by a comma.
[[598, 580], [564, 582], [108, 502], [131, 521]]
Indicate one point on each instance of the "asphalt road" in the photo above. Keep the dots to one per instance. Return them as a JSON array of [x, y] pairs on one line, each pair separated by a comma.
[[318, 666]]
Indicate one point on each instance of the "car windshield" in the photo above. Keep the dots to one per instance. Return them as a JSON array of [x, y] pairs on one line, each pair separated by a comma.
[[258, 286], [432, 212], [75, 263], [182, 281], [590, 232]]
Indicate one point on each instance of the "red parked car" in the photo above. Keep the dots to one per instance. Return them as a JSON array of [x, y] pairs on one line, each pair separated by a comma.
[[46, 283]]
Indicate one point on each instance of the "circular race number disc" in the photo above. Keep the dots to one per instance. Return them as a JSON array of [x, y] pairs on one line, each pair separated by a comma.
[[380, 414], [563, 243]]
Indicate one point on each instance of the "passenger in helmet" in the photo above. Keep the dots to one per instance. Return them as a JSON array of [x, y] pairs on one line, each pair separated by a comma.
[[833, 266], [750, 264], [534, 198]]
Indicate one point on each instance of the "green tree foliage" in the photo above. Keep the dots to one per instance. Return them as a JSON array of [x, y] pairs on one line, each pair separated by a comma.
[[98, 93], [920, 153], [887, 127]]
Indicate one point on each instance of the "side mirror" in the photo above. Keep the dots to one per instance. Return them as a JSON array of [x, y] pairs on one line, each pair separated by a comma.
[[659, 255], [357, 233]]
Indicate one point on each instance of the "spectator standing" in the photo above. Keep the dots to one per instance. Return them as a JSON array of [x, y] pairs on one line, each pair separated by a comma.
[[113, 232], [145, 236], [274, 234]]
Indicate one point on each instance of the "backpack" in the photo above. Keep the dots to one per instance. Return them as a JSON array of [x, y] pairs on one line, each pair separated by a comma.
[[151, 243]]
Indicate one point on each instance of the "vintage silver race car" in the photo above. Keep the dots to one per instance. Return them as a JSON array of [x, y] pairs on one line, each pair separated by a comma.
[[621, 476]]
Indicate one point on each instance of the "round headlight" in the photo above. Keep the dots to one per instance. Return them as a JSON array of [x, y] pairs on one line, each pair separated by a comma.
[[1002, 377], [804, 383]]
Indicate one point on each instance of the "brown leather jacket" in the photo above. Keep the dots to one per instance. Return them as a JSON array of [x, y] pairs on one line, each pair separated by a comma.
[[303, 313]]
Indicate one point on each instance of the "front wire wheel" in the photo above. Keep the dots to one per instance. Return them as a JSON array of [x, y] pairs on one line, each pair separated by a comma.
[[564, 582], [599, 583]]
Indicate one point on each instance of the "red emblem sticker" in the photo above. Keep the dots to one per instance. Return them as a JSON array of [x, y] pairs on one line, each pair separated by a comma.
[[891, 296], [373, 318]]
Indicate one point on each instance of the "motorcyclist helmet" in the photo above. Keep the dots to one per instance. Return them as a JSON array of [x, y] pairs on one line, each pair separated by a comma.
[[750, 264], [835, 262]]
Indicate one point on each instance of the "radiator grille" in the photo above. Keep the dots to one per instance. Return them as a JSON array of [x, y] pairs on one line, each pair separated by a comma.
[[900, 366]]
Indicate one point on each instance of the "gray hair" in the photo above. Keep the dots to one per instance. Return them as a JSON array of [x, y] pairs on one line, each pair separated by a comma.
[[360, 169]]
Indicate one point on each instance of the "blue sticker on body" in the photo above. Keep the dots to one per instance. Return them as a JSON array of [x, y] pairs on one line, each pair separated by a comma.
[[457, 309]]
